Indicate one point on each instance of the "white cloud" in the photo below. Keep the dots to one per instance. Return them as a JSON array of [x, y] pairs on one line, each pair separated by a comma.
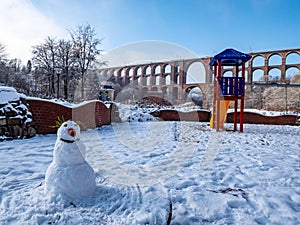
[[22, 25]]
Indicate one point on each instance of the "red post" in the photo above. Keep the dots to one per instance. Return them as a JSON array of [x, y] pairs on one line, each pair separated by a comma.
[[242, 100], [242, 115]]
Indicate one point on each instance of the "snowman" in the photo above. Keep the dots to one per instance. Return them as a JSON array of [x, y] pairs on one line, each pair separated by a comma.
[[69, 174]]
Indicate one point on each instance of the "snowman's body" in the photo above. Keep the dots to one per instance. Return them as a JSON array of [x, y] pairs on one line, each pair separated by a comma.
[[69, 174]]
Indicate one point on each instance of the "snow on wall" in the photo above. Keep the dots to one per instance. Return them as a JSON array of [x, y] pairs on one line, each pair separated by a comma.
[[249, 117], [256, 118], [44, 114], [174, 115], [95, 114]]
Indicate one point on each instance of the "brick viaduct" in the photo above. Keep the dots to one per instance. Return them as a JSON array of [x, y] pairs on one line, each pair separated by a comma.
[[174, 79]]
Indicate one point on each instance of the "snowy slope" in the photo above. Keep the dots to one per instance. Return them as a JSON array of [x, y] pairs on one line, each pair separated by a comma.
[[210, 178]]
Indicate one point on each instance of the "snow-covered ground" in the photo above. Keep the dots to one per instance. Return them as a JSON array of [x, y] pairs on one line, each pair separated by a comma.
[[151, 172]]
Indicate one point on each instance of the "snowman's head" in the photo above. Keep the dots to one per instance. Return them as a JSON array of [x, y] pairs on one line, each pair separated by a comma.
[[69, 131]]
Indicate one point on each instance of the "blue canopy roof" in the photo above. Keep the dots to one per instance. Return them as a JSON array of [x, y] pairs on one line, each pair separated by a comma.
[[230, 57]]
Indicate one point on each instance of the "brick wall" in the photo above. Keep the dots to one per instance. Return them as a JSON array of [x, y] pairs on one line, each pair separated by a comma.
[[44, 114], [102, 114], [255, 118], [249, 117], [95, 114], [173, 115]]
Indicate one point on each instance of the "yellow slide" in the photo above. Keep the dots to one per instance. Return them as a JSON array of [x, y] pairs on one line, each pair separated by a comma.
[[224, 105]]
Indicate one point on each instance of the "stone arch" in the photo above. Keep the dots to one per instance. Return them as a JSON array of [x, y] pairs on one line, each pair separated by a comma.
[[258, 60], [167, 69], [116, 72], [196, 73], [168, 79], [134, 75], [131, 71], [292, 58], [290, 72], [147, 70], [148, 80], [274, 59], [139, 71], [274, 74], [257, 75], [246, 75], [157, 69], [157, 80], [124, 72]]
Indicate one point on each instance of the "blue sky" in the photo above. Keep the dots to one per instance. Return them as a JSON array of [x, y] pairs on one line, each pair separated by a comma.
[[205, 27]]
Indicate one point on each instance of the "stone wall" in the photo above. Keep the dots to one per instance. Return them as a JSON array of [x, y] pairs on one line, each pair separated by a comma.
[[90, 114]]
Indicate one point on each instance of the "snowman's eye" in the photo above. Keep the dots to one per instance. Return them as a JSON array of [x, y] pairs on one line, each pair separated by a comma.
[[65, 125]]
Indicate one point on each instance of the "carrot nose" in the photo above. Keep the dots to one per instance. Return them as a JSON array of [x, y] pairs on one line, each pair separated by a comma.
[[72, 132]]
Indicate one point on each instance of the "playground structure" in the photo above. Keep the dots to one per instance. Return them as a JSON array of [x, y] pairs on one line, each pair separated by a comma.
[[227, 89]]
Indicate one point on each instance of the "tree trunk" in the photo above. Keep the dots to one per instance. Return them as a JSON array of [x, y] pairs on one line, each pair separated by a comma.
[[66, 83], [82, 86]]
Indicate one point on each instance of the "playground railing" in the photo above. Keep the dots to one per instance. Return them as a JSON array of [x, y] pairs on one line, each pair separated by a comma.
[[231, 86]]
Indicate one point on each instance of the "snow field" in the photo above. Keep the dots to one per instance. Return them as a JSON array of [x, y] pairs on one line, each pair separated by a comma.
[[210, 178]]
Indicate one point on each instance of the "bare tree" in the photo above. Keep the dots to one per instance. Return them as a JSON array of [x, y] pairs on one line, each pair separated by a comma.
[[3, 61], [86, 50], [3, 54], [44, 57], [66, 61]]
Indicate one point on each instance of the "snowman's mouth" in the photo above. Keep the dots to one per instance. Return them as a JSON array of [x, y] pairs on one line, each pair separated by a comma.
[[72, 132]]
